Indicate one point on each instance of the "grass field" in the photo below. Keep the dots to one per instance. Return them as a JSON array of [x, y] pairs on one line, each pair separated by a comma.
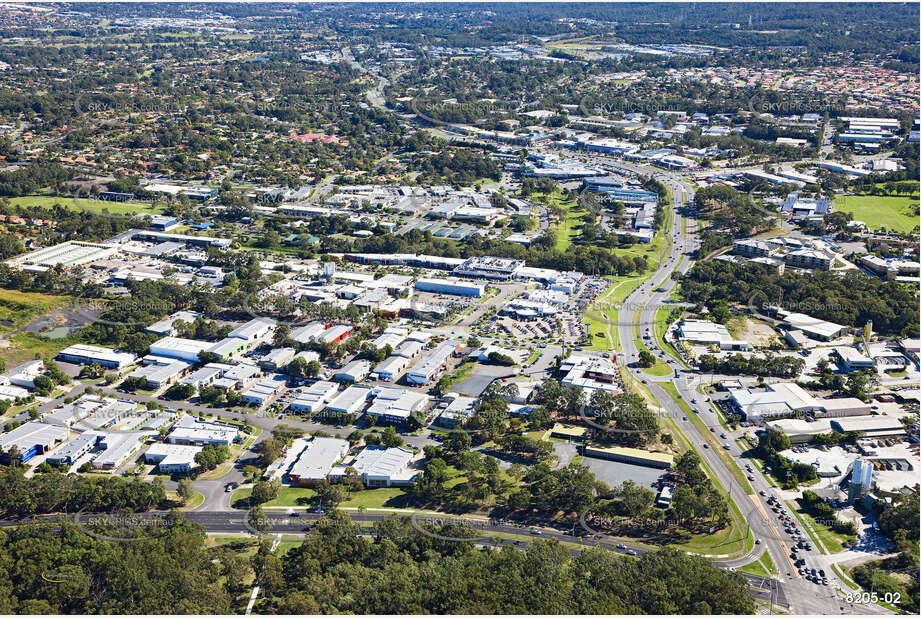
[[302, 496], [763, 566], [604, 315], [569, 229], [197, 499], [87, 203], [287, 496], [661, 325], [725, 542], [899, 214], [246, 546]]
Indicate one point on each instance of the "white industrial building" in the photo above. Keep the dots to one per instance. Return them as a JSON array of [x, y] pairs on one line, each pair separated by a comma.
[[450, 286], [237, 377], [710, 333], [172, 458], [409, 348], [378, 466], [277, 357], [315, 397], [179, 348], [349, 402], [166, 326], [81, 354], [308, 333], [23, 375], [158, 375], [813, 327], [851, 359], [354, 372], [117, 448], [385, 339], [75, 449], [31, 439], [783, 399], [205, 376], [262, 391], [228, 347], [67, 254], [317, 460], [193, 431], [255, 329], [91, 411], [518, 356], [429, 366], [458, 411], [391, 367], [12, 393]]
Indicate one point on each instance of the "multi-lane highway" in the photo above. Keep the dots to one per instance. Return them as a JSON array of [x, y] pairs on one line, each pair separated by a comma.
[[772, 537]]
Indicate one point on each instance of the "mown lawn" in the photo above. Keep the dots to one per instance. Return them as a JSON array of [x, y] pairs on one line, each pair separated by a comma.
[[899, 214], [727, 541], [287, 496], [604, 313], [87, 203], [763, 566]]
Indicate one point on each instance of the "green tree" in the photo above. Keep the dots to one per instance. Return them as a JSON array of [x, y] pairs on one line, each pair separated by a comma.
[[185, 490]]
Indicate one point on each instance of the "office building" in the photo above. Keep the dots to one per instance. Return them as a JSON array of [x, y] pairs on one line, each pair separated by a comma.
[[255, 329], [431, 364], [378, 466], [193, 431], [396, 405], [179, 348], [172, 458], [81, 354], [350, 402], [317, 460], [450, 286], [31, 439], [315, 397]]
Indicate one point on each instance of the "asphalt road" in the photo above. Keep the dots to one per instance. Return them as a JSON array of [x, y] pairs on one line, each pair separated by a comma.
[[806, 597]]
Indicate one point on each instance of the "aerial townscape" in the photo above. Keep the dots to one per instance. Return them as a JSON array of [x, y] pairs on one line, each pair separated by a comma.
[[421, 308]]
